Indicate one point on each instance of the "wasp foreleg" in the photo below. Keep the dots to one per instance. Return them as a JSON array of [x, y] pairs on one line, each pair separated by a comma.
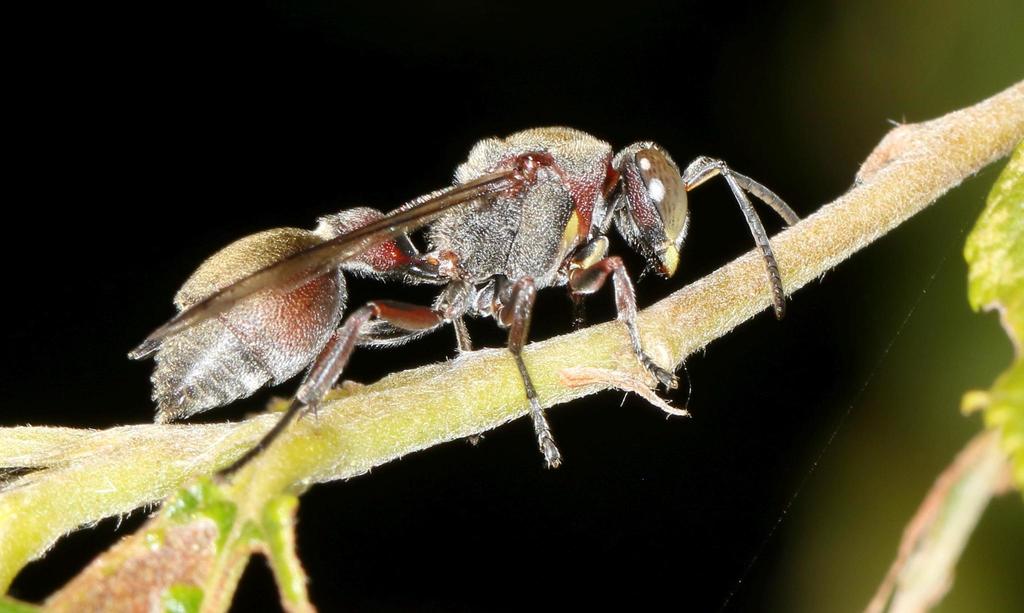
[[592, 278], [704, 168], [579, 310]]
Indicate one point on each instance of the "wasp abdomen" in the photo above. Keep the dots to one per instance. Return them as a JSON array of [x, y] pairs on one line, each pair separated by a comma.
[[266, 338]]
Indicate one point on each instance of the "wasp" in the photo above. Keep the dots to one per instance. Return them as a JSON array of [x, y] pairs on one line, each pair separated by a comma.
[[526, 212]]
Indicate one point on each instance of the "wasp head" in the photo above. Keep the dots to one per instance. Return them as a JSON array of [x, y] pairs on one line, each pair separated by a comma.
[[650, 210]]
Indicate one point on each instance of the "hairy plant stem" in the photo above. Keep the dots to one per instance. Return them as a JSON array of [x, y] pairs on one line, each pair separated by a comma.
[[86, 475]]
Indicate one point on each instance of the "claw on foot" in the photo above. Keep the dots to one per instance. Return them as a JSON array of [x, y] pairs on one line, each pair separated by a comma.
[[552, 457], [667, 379], [545, 440]]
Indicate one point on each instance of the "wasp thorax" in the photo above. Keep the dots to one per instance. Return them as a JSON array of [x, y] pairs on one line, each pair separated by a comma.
[[652, 211]]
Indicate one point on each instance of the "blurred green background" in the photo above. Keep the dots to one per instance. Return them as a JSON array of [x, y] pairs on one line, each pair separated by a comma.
[[868, 59]]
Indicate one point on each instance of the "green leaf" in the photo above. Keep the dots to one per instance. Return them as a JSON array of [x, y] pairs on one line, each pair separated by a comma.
[[995, 258], [279, 535], [203, 498], [10, 605], [182, 598]]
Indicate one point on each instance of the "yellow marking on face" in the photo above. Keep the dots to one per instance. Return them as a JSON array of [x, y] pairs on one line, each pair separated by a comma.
[[670, 260]]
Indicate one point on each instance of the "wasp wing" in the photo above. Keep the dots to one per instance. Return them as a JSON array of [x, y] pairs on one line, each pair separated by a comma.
[[300, 267]]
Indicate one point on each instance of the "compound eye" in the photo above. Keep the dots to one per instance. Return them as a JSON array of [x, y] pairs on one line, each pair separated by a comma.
[[665, 190], [651, 210], [659, 174]]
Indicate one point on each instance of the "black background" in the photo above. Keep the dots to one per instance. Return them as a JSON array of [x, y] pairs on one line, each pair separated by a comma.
[[147, 138]]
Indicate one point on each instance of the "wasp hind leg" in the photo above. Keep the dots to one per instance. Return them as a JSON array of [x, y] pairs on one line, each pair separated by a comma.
[[329, 364]]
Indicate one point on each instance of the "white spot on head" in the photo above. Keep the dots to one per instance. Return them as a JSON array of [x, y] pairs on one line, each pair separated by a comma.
[[645, 164], [656, 190]]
